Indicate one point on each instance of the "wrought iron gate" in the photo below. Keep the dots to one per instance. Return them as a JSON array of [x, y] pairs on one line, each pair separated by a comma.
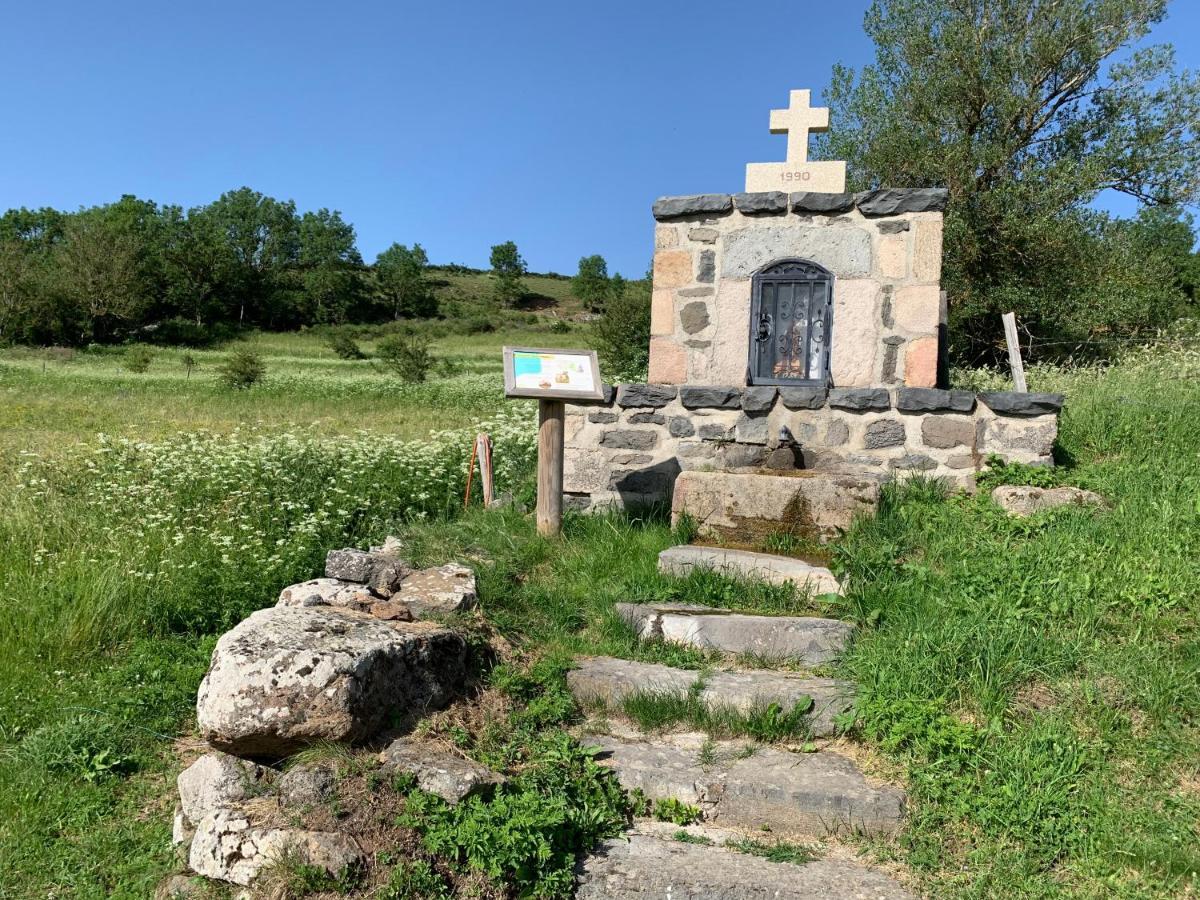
[[791, 311]]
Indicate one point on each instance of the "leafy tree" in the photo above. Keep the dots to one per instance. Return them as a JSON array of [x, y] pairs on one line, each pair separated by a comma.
[[331, 264], [198, 264], [263, 235], [400, 271], [622, 335], [591, 283], [509, 268], [98, 271], [1019, 109]]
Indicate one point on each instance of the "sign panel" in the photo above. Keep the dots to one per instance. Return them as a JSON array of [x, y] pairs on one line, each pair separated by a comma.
[[552, 374]]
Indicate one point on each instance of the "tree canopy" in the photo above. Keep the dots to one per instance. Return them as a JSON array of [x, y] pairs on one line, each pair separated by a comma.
[[1028, 110]]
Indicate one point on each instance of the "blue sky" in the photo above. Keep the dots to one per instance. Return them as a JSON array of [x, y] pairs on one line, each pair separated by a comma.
[[456, 125]]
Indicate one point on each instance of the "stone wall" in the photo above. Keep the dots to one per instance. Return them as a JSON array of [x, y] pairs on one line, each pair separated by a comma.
[[630, 447], [883, 247]]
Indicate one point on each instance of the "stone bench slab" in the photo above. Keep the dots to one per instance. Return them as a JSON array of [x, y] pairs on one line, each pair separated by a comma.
[[611, 681], [810, 794], [766, 567], [649, 863], [808, 640]]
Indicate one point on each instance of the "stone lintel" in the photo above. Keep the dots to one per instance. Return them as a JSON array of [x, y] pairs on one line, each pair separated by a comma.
[[762, 203], [1012, 403], [895, 201], [920, 400], [860, 399]]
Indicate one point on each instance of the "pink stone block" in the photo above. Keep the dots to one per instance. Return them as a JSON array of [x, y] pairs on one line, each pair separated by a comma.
[[920, 362], [668, 362]]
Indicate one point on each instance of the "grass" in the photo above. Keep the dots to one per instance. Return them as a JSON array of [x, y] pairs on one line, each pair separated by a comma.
[[1036, 681]]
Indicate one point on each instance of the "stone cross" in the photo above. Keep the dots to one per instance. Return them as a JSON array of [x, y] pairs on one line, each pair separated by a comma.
[[797, 173]]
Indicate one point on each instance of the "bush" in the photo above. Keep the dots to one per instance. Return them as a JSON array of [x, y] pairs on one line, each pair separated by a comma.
[[623, 334], [345, 346], [243, 369], [189, 362], [406, 355], [137, 359]]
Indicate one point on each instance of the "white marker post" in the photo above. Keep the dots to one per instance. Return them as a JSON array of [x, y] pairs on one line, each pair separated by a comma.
[[551, 377]]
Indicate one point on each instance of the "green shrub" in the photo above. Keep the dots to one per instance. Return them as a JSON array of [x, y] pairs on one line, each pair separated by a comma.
[[415, 880], [344, 346], [623, 334], [406, 355], [189, 363], [138, 359], [668, 809], [243, 369], [1000, 472]]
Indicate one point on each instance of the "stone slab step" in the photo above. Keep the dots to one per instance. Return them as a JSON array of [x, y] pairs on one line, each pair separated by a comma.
[[767, 567], [791, 793], [808, 640], [645, 864], [610, 680]]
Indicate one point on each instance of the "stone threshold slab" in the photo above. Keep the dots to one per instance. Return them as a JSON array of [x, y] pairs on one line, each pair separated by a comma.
[[807, 640], [773, 569], [736, 783], [650, 862], [610, 681]]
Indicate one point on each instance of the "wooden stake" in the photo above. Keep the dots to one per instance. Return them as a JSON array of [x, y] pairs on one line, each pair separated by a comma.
[[1014, 352], [483, 449], [550, 467]]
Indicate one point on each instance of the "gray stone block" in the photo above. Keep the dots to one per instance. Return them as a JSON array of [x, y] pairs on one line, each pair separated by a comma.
[[808, 201], [789, 793], [913, 462], [860, 399], [706, 273], [602, 418], [710, 397], [1012, 403], [846, 251], [713, 431], [910, 399], [647, 418], [803, 396], [629, 440], [837, 434], [651, 395], [763, 203], [884, 433], [692, 205], [603, 679], [742, 456], [693, 318], [893, 201], [680, 426], [685, 558], [944, 432], [703, 235], [806, 640], [641, 866], [758, 399], [894, 226], [1023, 500], [439, 771], [752, 429]]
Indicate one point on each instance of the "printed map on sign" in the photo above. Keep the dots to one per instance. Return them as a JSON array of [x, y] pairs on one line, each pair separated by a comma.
[[550, 373]]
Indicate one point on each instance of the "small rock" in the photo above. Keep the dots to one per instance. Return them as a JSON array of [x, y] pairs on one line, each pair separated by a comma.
[[306, 785], [391, 611], [178, 887], [215, 780], [228, 847], [437, 591], [326, 592], [1022, 500], [381, 572], [438, 772]]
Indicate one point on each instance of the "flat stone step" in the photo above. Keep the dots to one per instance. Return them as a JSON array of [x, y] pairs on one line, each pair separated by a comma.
[[766, 567], [650, 863], [808, 640], [810, 794], [611, 681]]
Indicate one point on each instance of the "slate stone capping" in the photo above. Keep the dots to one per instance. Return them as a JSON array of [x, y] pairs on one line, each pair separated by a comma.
[[803, 396], [692, 205], [759, 399], [649, 395], [921, 400], [706, 397], [809, 201], [764, 203], [1012, 403], [894, 201], [860, 399]]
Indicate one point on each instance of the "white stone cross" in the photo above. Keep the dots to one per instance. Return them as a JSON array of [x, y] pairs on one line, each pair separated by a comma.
[[797, 173], [796, 122]]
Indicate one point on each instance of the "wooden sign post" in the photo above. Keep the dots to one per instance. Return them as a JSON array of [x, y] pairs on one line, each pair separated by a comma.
[[1014, 352], [551, 377]]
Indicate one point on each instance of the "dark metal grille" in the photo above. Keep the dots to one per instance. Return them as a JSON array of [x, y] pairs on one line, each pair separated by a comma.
[[791, 309]]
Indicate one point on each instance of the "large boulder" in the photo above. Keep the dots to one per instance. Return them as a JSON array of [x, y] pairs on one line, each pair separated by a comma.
[[228, 846], [287, 677]]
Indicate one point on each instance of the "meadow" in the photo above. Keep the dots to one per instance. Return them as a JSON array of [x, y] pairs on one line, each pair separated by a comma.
[[1036, 683]]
